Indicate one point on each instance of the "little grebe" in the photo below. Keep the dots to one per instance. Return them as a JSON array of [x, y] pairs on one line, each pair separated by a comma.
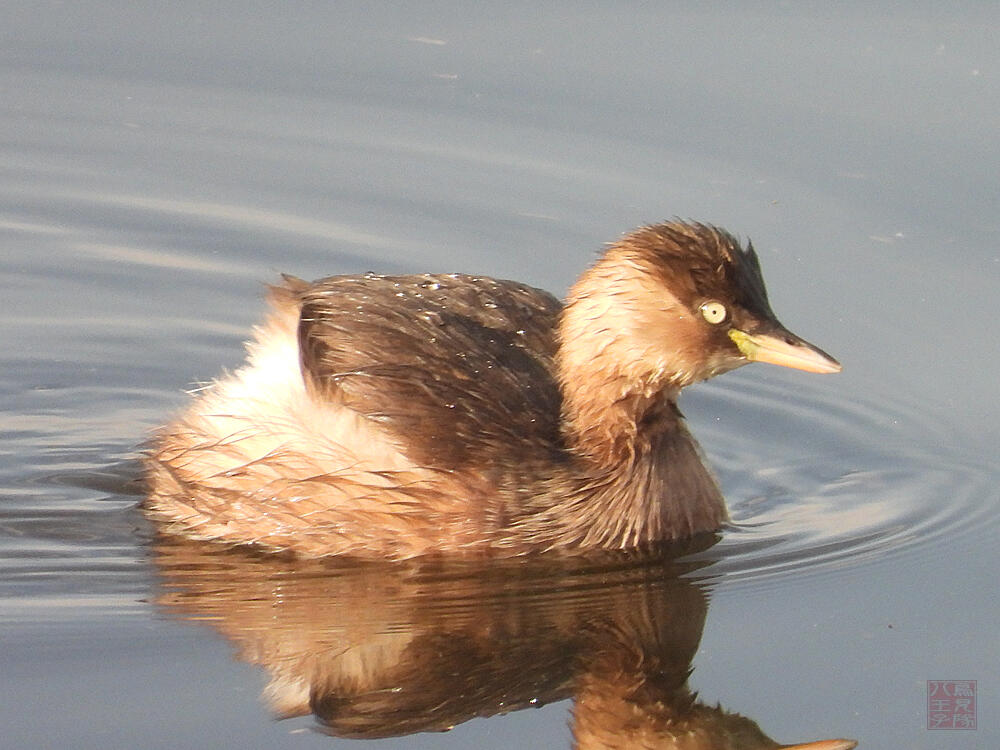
[[396, 416]]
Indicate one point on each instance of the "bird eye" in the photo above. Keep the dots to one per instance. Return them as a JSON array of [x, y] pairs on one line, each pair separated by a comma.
[[714, 312]]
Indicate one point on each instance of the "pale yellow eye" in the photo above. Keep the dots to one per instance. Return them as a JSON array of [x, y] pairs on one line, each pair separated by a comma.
[[714, 312]]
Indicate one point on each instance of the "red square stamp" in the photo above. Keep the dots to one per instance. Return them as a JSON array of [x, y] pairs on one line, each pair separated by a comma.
[[951, 704]]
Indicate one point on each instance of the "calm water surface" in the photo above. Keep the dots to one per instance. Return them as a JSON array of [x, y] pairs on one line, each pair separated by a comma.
[[158, 164]]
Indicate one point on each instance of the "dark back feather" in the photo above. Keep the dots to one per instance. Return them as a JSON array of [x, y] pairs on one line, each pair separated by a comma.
[[458, 369]]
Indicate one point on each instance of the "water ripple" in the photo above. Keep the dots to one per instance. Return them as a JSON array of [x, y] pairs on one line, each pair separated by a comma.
[[816, 483]]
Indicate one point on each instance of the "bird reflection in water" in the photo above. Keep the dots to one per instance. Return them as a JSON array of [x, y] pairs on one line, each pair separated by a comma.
[[378, 649]]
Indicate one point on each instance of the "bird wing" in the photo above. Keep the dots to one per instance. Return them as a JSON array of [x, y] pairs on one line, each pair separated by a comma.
[[459, 369]]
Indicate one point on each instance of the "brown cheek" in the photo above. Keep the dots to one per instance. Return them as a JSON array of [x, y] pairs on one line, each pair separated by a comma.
[[680, 339], [699, 344]]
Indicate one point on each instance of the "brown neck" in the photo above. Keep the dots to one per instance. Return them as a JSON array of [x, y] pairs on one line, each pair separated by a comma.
[[634, 474], [612, 423], [626, 345]]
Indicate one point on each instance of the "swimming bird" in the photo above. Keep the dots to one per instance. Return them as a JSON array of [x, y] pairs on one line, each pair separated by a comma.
[[397, 416]]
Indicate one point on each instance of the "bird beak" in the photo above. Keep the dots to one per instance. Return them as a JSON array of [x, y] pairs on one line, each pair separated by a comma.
[[783, 348], [824, 745]]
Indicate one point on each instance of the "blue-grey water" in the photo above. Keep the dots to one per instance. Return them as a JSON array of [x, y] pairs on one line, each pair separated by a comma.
[[160, 162]]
